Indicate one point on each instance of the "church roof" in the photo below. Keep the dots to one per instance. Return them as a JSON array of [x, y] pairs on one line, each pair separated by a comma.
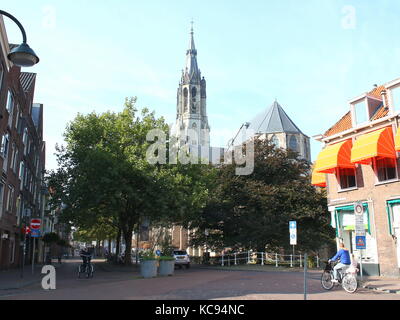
[[273, 120]]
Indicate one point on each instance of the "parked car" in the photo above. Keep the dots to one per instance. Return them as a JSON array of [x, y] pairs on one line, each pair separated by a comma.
[[181, 258]]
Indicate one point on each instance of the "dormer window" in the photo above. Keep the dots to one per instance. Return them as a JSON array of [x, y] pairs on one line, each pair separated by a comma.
[[360, 112], [365, 108], [395, 98]]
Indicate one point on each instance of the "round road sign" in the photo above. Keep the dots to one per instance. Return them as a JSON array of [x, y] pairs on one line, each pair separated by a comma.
[[35, 224]]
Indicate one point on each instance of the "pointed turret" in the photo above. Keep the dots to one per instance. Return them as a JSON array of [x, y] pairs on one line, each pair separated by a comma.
[[191, 73]]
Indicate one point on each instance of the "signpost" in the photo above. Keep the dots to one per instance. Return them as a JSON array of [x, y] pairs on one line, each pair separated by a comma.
[[360, 230], [35, 233], [293, 234]]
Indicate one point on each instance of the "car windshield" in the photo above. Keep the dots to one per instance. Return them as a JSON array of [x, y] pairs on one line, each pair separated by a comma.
[[180, 253]]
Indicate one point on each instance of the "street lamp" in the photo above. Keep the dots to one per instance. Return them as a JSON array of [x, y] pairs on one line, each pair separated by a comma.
[[232, 141], [22, 55]]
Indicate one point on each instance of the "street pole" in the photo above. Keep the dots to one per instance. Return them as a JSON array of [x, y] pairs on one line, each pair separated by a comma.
[[361, 269], [305, 276], [33, 256]]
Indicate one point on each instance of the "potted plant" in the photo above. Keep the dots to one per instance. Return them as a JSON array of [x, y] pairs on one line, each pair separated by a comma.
[[167, 259], [148, 264], [167, 265]]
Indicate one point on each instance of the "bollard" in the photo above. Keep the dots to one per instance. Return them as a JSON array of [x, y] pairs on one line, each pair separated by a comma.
[[317, 261], [291, 261], [235, 259], [276, 260], [262, 258], [300, 261], [248, 257], [222, 260]]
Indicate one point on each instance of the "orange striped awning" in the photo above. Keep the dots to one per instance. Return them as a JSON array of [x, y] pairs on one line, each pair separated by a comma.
[[318, 179], [375, 144], [334, 156], [397, 140]]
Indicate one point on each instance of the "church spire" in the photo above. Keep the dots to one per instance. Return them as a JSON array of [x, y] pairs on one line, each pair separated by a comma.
[[191, 72]]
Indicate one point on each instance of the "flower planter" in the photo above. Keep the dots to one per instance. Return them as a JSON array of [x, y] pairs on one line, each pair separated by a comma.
[[167, 267], [148, 268]]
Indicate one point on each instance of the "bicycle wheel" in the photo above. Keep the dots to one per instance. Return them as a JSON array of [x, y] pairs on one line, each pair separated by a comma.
[[349, 283], [326, 280]]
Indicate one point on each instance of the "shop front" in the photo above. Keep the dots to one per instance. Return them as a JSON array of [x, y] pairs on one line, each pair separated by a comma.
[[343, 220]]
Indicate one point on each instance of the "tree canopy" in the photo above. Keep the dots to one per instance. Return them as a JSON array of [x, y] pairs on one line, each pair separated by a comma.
[[253, 211]]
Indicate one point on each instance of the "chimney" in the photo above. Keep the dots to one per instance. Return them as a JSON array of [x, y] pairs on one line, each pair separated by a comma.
[[383, 95]]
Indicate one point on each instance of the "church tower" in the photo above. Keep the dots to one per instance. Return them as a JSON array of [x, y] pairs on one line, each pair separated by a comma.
[[191, 125]]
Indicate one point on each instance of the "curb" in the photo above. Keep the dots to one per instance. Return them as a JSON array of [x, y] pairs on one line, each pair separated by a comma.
[[396, 291], [26, 284]]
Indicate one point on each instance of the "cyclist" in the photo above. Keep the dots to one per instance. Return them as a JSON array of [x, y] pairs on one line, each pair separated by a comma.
[[85, 255], [344, 257]]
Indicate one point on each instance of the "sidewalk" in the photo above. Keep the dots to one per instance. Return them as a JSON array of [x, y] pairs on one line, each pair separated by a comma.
[[374, 283], [11, 279], [382, 284]]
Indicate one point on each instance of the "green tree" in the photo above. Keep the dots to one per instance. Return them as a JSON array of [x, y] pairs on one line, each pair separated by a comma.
[[253, 212], [105, 177]]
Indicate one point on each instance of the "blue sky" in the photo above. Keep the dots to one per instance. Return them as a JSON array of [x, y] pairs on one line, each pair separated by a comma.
[[311, 55]]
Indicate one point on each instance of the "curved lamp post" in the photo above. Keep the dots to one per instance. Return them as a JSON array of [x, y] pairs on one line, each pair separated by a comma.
[[22, 55]]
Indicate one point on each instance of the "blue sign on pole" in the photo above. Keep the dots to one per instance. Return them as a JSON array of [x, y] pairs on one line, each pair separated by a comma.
[[35, 233], [360, 242], [292, 224]]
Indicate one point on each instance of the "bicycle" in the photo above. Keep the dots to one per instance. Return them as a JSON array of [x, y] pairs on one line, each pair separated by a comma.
[[86, 267], [347, 278]]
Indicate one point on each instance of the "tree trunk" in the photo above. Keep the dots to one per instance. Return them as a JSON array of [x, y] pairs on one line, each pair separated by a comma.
[[128, 246], [118, 244]]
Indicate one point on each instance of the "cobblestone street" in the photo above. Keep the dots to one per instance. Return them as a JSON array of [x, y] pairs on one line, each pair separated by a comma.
[[196, 283]]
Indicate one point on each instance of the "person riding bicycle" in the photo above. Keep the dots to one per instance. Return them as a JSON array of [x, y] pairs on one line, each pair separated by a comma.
[[344, 257], [85, 255]]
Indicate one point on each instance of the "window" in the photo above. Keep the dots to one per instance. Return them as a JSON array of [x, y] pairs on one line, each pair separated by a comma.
[[185, 99], [1, 75], [194, 92], [18, 115], [395, 92], [10, 101], [1, 198], [25, 140], [21, 174], [15, 163], [275, 141], [4, 150], [10, 199], [347, 178], [360, 112], [293, 143], [385, 169]]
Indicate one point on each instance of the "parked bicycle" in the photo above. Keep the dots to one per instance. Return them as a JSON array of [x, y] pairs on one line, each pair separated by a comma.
[[347, 277], [86, 267]]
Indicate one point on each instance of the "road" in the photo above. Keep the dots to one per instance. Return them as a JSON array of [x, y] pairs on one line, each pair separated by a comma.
[[192, 284]]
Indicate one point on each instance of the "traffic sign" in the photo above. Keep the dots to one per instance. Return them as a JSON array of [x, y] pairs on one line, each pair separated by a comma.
[[359, 219], [35, 224], [361, 242], [35, 233], [358, 208], [293, 232]]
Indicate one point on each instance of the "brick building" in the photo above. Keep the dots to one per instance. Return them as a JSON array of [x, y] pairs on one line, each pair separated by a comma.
[[22, 157], [360, 163]]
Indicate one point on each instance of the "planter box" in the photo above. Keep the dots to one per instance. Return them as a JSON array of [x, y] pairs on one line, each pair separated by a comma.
[[167, 267], [148, 268]]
